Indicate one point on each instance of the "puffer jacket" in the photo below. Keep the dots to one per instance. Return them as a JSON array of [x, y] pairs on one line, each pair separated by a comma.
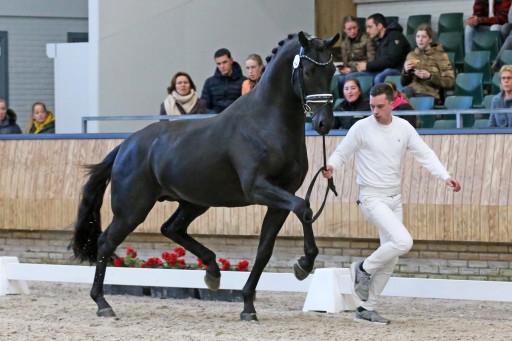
[[220, 91], [392, 49], [361, 48], [435, 61], [501, 7], [8, 124]]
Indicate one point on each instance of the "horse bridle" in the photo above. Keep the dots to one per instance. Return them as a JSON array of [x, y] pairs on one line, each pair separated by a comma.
[[326, 99]]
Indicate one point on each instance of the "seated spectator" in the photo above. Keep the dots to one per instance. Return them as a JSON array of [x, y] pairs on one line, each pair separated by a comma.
[[487, 15], [392, 48], [182, 98], [254, 68], [8, 120], [402, 103], [356, 47], [507, 44], [225, 86], [427, 69], [353, 101], [502, 100], [41, 120]]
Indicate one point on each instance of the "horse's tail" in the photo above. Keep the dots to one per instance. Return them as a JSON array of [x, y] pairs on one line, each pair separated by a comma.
[[88, 223]]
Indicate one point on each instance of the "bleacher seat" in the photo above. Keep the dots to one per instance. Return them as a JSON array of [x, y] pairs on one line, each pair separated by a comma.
[[496, 83], [450, 22], [460, 102], [395, 79], [335, 90], [411, 38], [414, 21], [424, 103], [505, 57], [391, 18], [482, 120], [487, 41], [361, 24], [479, 61], [453, 42], [445, 124], [366, 85], [470, 84]]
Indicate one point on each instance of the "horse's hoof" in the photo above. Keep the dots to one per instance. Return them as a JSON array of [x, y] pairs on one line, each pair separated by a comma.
[[106, 312], [248, 317], [213, 283], [299, 272]]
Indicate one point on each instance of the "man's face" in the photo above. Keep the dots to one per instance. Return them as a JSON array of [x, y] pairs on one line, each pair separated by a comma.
[[351, 29], [381, 108], [372, 29], [224, 64]]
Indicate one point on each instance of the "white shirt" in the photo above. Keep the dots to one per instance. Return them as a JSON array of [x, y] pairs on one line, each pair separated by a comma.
[[379, 151]]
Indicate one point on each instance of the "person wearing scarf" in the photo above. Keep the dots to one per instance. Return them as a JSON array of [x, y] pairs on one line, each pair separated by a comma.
[[182, 98], [42, 120]]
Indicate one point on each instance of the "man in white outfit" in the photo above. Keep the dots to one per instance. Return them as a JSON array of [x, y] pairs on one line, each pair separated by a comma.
[[379, 143]]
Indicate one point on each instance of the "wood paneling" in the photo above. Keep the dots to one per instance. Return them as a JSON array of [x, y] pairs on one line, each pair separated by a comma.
[[329, 16], [41, 180]]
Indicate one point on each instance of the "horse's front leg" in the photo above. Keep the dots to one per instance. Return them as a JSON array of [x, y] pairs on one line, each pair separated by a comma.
[[272, 223], [305, 264]]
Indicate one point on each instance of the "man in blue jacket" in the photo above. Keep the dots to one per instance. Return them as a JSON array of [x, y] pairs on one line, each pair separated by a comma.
[[225, 86], [392, 49]]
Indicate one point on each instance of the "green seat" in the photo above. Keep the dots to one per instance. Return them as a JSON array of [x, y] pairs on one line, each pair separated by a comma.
[[479, 61], [411, 38], [424, 103], [470, 84], [505, 57], [366, 85], [445, 124], [496, 83], [487, 102], [450, 22], [451, 57], [481, 123], [482, 120], [487, 41], [453, 42], [395, 79], [361, 24], [391, 18], [414, 21], [460, 102], [335, 90]]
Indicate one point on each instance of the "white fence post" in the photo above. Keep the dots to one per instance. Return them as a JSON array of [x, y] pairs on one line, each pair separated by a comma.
[[7, 286]]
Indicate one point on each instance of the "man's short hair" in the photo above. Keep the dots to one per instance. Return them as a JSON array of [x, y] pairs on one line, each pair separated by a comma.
[[378, 18], [383, 88], [222, 52]]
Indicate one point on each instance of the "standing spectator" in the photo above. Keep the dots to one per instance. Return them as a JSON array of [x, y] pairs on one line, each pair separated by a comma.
[[392, 48], [182, 98], [41, 120], [8, 120], [503, 100], [427, 69], [254, 68], [487, 15], [356, 47], [353, 101], [380, 143], [225, 86]]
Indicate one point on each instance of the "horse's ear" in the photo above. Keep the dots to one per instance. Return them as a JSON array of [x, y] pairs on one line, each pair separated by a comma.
[[331, 41], [304, 42]]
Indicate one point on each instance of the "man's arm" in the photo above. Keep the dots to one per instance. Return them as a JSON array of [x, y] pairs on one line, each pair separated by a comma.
[[205, 94]]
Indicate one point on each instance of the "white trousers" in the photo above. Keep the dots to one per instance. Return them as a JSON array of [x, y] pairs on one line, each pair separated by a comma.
[[385, 212]]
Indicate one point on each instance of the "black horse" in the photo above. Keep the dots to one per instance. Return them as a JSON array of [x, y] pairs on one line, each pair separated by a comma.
[[252, 153]]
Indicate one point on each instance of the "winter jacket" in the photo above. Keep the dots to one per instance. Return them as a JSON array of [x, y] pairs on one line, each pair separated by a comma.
[[500, 120], [435, 61], [501, 7], [345, 122], [359, 49], [220, 91], [8, 124], [392, 49]]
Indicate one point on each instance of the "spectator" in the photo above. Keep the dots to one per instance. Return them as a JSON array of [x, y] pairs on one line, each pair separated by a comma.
[[225, 86], [356, 47], [392, 48], [353, 102], [254, 68], [8, 120], [41, 120], [427, 69], [182, 98], [502, 100], [401, 102], [487, 15]]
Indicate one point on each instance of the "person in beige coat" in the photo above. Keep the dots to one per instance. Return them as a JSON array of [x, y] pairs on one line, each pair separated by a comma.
[[427, 69]]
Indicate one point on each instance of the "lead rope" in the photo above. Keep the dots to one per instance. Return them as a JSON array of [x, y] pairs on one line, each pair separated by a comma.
[[330, 186]]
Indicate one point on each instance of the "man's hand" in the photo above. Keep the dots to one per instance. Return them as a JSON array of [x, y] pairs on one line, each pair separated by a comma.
[[453, 183], [473, 21], [328, 172]]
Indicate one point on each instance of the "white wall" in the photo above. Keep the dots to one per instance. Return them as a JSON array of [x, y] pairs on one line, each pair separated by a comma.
[[141, 44]]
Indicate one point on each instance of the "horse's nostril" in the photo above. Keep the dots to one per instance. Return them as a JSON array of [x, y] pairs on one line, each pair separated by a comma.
[[321, 125]]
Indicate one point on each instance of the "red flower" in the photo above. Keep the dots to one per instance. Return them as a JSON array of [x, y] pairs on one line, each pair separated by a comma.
[[200, 264], [131, 252], [170, 257], [119, 261], [182, 263], [180, 251], [153, 262], [225, 264], [242, 265]]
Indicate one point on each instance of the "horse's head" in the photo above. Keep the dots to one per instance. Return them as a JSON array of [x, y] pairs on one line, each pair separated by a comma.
[[312, 73]]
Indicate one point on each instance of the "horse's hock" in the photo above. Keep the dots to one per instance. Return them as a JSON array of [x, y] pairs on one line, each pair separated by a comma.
[[462, 237]]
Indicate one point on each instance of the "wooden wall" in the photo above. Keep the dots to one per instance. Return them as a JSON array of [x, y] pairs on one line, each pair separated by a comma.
[[41, 180], [329, 16]]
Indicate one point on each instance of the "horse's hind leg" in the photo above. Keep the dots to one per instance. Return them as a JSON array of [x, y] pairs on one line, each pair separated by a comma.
[[176, 229]]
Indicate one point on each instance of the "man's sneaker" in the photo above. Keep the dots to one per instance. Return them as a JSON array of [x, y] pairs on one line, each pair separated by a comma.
[[369, 316], [360, 281]]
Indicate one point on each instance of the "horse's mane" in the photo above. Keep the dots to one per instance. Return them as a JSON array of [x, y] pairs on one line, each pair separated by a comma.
[[276, 49]]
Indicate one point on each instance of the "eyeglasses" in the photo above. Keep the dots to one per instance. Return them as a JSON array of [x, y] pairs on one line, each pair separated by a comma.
[[506, 78]]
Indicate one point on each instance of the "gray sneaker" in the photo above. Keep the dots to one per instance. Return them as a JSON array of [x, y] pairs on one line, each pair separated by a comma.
[[360, 281], [370, 316]]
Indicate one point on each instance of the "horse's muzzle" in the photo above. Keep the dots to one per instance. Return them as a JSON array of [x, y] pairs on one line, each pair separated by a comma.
[[323, 118]]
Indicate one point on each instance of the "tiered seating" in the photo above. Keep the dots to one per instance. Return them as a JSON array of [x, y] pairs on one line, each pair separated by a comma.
[[482, 120], [414, 21], [479, 61], [459, 102], [395, 79], [450, 22], [424, 103], [470, 84], [487, 41], [453, 42]]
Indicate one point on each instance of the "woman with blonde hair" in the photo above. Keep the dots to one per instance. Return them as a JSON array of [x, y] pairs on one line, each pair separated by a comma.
[[182, 98], [254, 68], [41, 120], [502, 100]]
